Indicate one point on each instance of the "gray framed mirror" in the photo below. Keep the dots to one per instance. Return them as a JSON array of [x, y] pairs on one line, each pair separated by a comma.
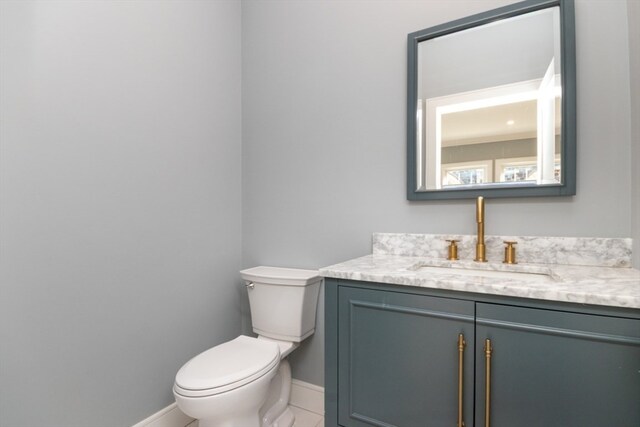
[[491, 104]]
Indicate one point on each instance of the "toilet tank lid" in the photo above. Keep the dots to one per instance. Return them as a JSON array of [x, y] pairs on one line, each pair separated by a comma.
[[281, 276]]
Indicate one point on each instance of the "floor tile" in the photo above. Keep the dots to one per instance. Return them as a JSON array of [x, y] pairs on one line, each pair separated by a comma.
[[305, 418]]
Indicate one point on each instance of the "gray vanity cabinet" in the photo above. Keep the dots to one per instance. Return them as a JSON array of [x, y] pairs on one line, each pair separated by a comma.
[[557, 369], [392, 360], [399, 358]]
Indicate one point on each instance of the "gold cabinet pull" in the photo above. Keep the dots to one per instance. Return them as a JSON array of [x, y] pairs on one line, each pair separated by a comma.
[[488, 349], [461, 344]]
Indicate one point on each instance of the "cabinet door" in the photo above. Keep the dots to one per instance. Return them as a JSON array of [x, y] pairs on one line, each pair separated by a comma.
[[398, 359], [557, 369]]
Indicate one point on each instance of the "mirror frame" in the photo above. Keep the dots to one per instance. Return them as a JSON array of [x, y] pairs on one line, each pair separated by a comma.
[[568, 104]]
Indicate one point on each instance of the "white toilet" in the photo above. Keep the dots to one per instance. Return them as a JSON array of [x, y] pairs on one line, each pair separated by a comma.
[[246, 382]]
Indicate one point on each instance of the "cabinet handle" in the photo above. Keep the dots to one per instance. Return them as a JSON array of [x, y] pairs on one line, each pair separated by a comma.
[[487, 381], [461, 344]]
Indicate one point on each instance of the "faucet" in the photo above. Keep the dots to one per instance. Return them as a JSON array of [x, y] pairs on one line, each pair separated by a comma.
[[480, 248]]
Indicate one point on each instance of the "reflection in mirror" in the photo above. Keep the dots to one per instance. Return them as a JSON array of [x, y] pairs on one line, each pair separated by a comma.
[[483, 127], [488, 105]]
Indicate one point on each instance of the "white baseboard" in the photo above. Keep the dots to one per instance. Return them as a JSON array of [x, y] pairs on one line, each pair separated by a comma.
[[170, 416], [309, 397]]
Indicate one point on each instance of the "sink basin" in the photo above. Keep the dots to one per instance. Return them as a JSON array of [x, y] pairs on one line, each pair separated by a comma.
[[540, 277]]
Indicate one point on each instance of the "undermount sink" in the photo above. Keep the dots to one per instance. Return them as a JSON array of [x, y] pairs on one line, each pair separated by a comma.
[[541, 276]]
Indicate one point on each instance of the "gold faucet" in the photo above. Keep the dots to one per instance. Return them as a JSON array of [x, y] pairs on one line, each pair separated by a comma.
[[480, 248]]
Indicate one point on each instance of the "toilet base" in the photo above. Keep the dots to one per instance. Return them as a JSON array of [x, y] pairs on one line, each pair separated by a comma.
[[275, 412]]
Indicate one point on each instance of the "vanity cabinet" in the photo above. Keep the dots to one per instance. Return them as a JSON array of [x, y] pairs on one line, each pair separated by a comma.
[[552, 368], [393, 359], [398, 357]]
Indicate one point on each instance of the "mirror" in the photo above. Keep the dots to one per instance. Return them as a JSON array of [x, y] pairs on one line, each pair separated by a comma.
[[491, 104]]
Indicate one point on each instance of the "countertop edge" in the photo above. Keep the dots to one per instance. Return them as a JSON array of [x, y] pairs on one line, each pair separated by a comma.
[[601, 286]]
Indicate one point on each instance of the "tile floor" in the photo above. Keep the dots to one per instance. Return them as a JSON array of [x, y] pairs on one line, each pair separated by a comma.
[[306, 418], [303, 418]]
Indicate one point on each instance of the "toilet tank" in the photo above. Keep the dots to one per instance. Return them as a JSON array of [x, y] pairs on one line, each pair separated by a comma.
[[283, 301]]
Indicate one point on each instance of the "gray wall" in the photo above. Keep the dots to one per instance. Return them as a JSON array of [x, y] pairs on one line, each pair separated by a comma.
[[634, 70], [324, 136], [119, 203]]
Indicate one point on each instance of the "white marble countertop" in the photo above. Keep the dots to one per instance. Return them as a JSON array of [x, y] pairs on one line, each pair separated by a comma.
[[608, 286]]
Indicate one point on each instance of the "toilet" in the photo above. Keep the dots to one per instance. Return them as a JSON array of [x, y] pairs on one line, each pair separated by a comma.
[[246, 382]]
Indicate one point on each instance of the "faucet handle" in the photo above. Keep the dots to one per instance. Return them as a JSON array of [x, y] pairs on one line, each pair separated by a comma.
[[510, 252], [452, 254]]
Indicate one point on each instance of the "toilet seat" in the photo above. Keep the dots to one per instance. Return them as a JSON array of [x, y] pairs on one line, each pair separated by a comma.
[[227, 366]]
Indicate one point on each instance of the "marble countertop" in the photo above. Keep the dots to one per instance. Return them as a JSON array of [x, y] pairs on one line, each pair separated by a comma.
[[599, 285]]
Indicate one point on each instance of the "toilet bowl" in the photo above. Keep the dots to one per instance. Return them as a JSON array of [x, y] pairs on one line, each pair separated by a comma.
[[226, 385], [246, 382]]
